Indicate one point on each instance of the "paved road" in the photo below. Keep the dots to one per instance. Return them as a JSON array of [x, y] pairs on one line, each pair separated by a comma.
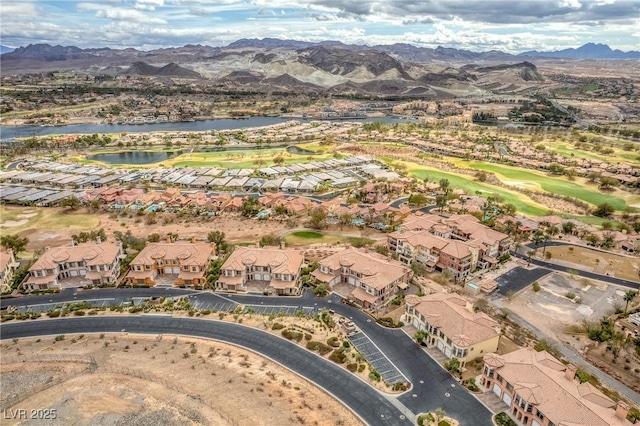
[[570, 354], [368, 403], [432, 387]]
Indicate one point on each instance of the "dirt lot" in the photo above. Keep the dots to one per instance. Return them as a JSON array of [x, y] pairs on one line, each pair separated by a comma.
[[54, 231], [625, 267], [145, 380]]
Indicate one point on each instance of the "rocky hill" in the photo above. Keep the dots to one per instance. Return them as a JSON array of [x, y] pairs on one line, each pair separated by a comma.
[[169, 70], [399, 70]]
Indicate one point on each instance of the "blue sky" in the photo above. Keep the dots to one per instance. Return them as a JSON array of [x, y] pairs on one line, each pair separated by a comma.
[[479, 25]]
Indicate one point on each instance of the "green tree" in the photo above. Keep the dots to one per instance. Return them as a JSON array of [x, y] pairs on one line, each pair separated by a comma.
[[628, 298], [318, 218], [445, 185], [321, 290], [345, 219], [218, 238], [14, 243], [70, 202], [604, 210]]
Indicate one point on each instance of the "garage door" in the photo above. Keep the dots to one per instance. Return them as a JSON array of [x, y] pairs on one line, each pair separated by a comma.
[[73, 273], [534, 423], [257, 277], [167, 269], [497, 390], [416, 323], [440, 345], [447, 352], [176, 270], [267, 277], [507, 399], [83, 272]]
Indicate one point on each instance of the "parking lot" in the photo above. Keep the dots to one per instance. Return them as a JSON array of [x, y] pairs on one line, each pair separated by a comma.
[[377, 359], [518, 278]]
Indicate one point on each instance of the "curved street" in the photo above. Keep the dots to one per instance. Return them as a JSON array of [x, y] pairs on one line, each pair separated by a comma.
[[432, 386]]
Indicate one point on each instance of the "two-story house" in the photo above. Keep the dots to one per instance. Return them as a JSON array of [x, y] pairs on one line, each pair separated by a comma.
[[539, 390], [451, 325], [275, 269], [94, 263], [180, 263], [8, 267], [376, 279]]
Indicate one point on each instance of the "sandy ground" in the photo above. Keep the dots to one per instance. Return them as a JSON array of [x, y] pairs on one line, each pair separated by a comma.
[[236, 229], [621, 266], [154, 380]]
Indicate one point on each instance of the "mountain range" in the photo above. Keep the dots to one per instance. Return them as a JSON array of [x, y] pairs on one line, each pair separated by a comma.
[[269, 64], [587, 51]]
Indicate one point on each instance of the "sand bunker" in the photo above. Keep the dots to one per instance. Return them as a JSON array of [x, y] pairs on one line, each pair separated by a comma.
[[27, 214], [519, 184], [13, 223]]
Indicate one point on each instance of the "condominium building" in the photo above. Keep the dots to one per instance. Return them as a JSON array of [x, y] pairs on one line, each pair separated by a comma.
[[375, 279], [179, 263], [94, 263], [539, 390], [458, 245], [271, 268], [8, 267], [451, 325]]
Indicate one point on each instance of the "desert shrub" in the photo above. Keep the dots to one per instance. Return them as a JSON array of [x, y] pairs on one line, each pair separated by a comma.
[[320, 347], [400, 386], [374, 375], [361, 368], [53, 314], [292, 335], [277, 326], [307, 336], [78, 313], [425, 417], [333, 341], [536, 286], [582, 376], [503, 419], [353, 367], [338, 356]]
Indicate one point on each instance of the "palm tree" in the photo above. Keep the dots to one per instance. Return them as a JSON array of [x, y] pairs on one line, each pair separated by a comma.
[[628, 298]]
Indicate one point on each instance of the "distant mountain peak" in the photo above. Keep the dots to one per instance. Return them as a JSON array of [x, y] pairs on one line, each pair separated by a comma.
[[586, 51]]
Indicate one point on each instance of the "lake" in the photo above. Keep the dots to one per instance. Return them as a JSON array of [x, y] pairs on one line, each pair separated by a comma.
[[146, 157], [10, 132], [132, 157]]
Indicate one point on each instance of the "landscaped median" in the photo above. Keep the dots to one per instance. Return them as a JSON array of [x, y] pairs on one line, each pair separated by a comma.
[[320, 333], [437, 418]]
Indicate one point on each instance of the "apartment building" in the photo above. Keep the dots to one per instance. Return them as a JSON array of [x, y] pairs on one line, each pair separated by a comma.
[[539, 390], [268, 268], [8, 266], [93, 263], [452, 326], [458, 245], [179, 263], [375, 279]]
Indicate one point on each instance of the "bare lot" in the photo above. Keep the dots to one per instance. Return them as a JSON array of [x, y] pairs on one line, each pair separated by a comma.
[[143, 380], [621, 266]]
